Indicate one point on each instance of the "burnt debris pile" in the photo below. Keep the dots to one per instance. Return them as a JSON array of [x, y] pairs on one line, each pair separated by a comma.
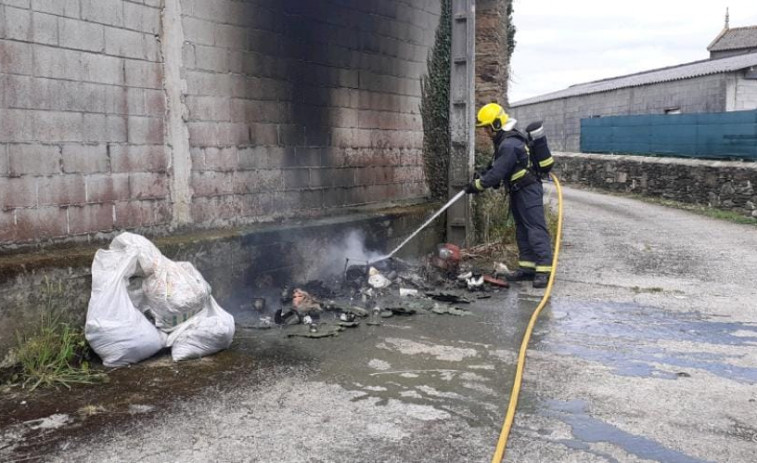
[[369, 292]]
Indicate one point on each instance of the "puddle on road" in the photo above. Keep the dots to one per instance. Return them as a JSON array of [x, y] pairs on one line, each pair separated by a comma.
[[626, 337], [586, 430], [463, 366]]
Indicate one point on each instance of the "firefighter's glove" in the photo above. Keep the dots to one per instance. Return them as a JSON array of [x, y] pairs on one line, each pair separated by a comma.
[[480, 173], [474, 187]]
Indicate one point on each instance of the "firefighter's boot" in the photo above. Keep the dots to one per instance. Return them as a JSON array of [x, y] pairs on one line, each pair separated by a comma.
[[541, 279], [520, 275]]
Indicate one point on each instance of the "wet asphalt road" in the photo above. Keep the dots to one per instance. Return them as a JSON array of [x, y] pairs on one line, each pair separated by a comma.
[[647, 352]]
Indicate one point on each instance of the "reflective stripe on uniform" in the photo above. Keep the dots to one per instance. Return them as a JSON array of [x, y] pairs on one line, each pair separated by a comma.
[[518, 175], [544, 268], [529, 164], [547, 162], [526, 264], [477, 184]]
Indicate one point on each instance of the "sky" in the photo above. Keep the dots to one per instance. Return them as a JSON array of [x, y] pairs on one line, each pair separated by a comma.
[[562, 43]]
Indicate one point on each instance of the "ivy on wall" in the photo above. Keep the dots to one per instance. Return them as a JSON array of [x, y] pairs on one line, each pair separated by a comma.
[[435, 107], [510, 30]]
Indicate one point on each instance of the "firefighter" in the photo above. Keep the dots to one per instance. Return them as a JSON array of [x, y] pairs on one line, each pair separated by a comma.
[[511, 168]]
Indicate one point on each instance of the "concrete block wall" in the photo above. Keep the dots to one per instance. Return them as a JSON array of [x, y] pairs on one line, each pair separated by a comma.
[[298, 107], [744, 91], [562, 117], [81, 118], [276, 109]]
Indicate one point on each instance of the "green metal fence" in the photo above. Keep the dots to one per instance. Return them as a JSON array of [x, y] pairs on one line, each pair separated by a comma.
[[707, 135]]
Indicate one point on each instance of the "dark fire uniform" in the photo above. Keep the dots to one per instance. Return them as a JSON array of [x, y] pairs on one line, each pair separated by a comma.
[[509, 167]]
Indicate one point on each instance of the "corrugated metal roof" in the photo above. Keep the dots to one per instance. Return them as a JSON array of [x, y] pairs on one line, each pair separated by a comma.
[[735, 39], [681, 71]]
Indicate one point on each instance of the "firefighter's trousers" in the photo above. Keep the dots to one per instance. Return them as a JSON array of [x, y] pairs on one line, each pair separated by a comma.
[[534, 246]]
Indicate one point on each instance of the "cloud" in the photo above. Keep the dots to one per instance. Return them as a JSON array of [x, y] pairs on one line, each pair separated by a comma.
[[559, 44]]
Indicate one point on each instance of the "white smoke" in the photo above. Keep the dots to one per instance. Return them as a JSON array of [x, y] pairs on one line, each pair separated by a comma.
[[332, 259]]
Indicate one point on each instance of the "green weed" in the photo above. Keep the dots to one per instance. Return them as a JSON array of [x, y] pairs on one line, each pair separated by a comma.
[[495, 226], [53, 353], [707, 211]]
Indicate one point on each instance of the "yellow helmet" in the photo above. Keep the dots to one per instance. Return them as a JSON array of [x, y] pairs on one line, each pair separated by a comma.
[[492, 114]]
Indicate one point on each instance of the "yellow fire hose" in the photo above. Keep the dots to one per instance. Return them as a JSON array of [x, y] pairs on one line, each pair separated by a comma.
[[499, 452]]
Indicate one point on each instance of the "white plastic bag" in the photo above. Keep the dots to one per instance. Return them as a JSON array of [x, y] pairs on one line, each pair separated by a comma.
[[206, 333], [133, 278], [148, 255], [115, 329], [172, 291]]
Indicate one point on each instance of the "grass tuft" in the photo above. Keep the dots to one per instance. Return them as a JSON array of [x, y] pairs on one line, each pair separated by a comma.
[[495, 226], [53, 353], [707, 211]]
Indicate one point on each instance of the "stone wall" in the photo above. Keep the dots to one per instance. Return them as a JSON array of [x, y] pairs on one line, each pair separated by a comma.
[[492, 62], [149, 115], [491, 52], [727, 185]]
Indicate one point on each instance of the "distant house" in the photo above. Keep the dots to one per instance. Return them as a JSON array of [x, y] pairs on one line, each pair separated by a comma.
[[736, 41], [725, 82]]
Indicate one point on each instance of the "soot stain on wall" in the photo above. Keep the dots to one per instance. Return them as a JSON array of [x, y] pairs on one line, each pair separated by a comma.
[[309, 56], [322, 48]]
